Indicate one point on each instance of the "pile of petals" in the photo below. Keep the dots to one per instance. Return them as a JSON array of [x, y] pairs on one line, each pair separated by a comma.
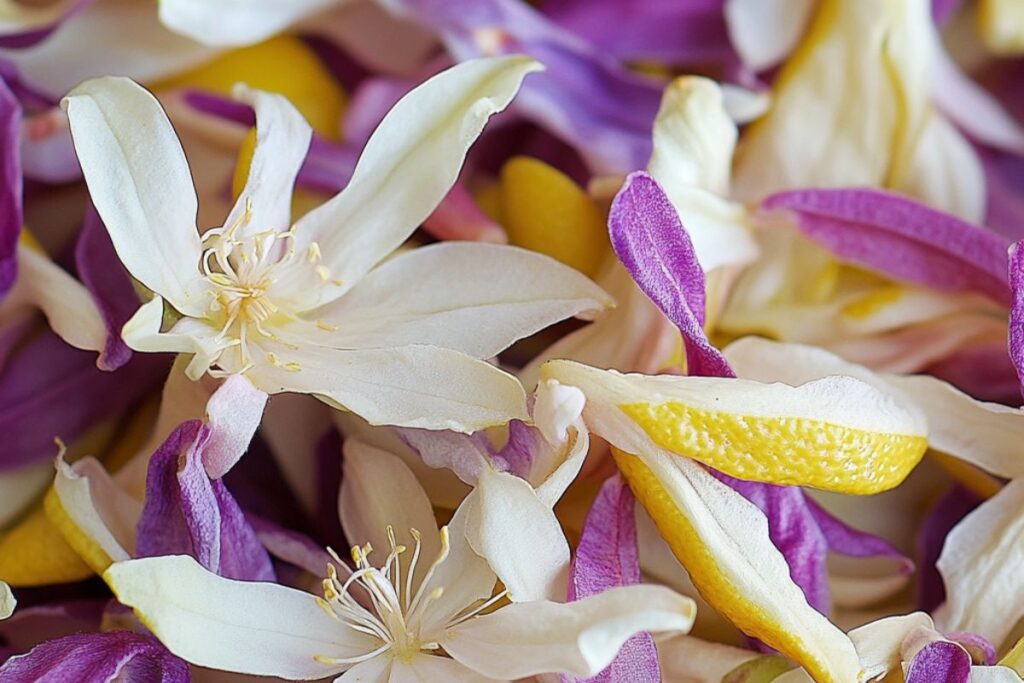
[[546, 341]]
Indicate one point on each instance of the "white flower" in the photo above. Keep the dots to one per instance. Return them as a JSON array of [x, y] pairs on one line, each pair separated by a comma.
[[314, 307], [428, 611]]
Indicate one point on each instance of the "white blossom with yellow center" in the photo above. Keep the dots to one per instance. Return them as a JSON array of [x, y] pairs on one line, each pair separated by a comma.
[[317, 306]]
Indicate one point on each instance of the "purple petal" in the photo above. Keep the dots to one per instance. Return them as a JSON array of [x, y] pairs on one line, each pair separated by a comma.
[[28, 38], [1004, 185], [31, 625], [585, 97], [11, 210], [109, 284], [794, 530], [291, 546], [845, 540], [901, 238], [1016, 324], [650, 240], [607, 558], [947, 513], [49, 389], [186, 512], [692, 32], [942, 10], [983, 370], [518, 453], [97, 658], [940, 662]]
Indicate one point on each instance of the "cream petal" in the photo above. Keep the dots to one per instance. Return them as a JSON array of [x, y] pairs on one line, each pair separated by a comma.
[[764, 32], [188, 335], [408, 386], [96, 517], [579, 638], [282, 140], [474, 298], [231, 23], [694, 139], [994, 674], [423, 668], [7, 601], [519, 536], [380, 492], [375, 670], [408, 165], [690, 659], [140, 183], [67, 305], [980, 565], [249, 627]]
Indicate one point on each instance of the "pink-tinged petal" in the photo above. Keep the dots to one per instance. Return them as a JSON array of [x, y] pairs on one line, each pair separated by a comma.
[[980, 648], [940, 662], [652, 243], [900, 238], [109, 284], [458, 217], [1004, 193], [30, 626], [188, 513], [25, 25], [11, 210], [607, 557], [293, 547], [1016, 324], [97, 658], [233, 413], [846, 540]]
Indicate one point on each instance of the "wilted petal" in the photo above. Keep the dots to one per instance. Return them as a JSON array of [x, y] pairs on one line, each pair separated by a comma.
[[763, 432], [979, 565], [722, 540], [468, 297], [233, 413], [255, 628], [140, 182], [579, 638], [408, 165], [97, 658], [408, 386], [901, 238], [651, 242]]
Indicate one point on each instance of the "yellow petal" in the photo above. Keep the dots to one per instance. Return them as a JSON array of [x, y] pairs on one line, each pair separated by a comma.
[[546, 211], [836, 433], [34, 553], [722, 541]]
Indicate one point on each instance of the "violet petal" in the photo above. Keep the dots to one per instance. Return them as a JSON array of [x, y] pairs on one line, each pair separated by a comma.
[[901, 238], [650, 240], [606, 558], [1016, 324], [940, 662], [11, 209], [97, 658]]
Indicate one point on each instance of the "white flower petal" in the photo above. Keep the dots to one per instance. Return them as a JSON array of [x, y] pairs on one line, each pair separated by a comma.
[[693, 145], [409, 386], [474, 298], [579, 638], [236, 22], [250, 627], [878, 643], [409, 164], [765, 31], [97, 518], [690, 659], [282, 140], [139, 180], [233, 414], [7, 601], [980, 565], [423, 668], [375, 670], [188, 335], [67, 305], [519, 536], [994, 674], [379, 491]]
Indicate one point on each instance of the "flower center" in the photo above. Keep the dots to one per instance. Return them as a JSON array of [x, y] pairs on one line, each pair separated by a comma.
[[387, 606]]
